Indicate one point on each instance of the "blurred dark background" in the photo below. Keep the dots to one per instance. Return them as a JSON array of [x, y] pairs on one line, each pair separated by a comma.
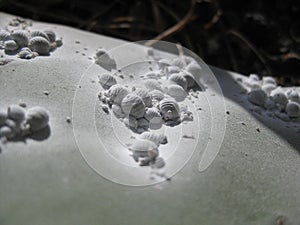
[[251, 36]]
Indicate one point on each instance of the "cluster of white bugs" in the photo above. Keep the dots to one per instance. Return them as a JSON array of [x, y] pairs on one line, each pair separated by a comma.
[[144, 106], [284, 104], [28, 44], [150, 103], [16, 121]]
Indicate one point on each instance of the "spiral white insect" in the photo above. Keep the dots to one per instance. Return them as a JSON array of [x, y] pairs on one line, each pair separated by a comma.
[[38, 33], [144, 94], [14, 126], [6, 131], [16, 113], [292, 95], [195, 69], [51, 35], [37, 118], [254, 85], [152, 84], [155, 137], [269, 80], [169, 109], [58, 42], [176, 91], [40, 45], [253, 77], [279, 97], [26, 53], [157, 95], [143, 148], [268, 88], [106, 80], [133, 105], [117, 110], [257, 97], [10, 46], [4, 35], [178, 79], [145, 158], [3, 117], [292, 109], [117, 93], [21, 37], [153, 115]]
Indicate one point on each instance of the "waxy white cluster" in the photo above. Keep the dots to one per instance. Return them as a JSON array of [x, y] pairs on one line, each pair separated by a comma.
[[16, 121], [151, 103], [28, 44], [285, 104]]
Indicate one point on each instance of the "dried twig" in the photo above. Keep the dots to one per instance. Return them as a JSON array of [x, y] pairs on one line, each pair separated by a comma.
[[284, 57], [123, 19], [214, 20], [177, 27]]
